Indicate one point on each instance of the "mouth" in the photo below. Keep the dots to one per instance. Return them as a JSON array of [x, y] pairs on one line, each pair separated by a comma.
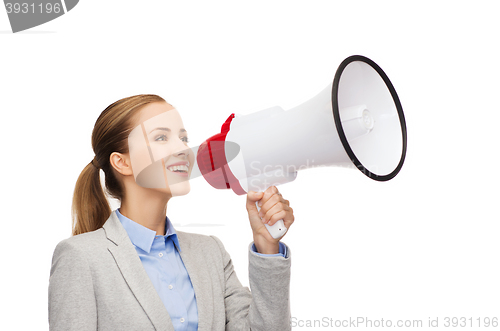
[[180, 169]]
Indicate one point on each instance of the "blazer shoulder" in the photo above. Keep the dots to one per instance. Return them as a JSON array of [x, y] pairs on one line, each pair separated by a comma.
[[83, 242]]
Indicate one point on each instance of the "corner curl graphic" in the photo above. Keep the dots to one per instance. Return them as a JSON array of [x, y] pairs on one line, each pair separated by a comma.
[[26, 14]]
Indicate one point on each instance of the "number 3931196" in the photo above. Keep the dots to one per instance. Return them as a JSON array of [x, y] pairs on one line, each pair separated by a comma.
[[24, 15]]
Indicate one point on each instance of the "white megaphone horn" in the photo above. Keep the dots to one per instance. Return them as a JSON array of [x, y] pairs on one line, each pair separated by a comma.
[[357, 121]]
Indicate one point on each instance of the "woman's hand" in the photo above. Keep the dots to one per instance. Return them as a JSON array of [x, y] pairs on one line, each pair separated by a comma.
[[272, 208]]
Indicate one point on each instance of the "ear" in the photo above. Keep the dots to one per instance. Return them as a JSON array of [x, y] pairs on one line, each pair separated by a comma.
[[121, 163]]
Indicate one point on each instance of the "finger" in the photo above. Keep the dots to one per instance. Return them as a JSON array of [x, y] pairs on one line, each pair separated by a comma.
[[268, 194], [278, 207], [274, 199], [252, 197], [289, 218], [281, 215]]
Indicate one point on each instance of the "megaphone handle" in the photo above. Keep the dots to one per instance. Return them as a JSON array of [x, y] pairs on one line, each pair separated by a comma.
[[277, 230]]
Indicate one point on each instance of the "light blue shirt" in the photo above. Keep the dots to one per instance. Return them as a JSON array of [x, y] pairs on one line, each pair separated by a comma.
[[163, 264]]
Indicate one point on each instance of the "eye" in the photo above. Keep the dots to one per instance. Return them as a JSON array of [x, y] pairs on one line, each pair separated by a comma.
[[161, 137], [185, 139]]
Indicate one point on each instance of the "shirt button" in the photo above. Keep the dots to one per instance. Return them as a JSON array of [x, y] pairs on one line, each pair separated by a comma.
[[160, 255], [182, 319], [170, 287]]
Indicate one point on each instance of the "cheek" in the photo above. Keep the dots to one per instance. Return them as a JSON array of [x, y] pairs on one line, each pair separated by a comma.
[[140, 159], [191, 159], [160, 151]]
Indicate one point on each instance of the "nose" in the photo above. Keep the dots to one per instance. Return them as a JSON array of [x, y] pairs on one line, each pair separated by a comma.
[[181, 149], [184, 153]]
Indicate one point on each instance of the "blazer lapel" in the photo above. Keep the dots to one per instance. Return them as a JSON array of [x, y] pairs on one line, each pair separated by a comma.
[[196, 268], [130, 266]]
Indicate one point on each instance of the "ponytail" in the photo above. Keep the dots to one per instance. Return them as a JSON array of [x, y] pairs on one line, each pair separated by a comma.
[[90, 208]]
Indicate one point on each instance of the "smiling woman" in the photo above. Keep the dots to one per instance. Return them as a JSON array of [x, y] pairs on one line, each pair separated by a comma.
[[130, 269], [111, 130]]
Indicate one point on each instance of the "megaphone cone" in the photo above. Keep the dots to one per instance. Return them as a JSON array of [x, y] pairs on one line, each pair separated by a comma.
[[364, 97]]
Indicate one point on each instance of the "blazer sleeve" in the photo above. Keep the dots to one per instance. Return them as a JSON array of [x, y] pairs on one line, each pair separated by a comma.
[[267, 306], [72, 304]]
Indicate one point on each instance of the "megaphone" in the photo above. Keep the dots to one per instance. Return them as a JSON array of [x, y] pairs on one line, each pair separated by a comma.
[[357, 122]]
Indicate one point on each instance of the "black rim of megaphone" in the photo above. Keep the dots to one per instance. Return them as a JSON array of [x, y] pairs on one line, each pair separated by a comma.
[[338, 123]]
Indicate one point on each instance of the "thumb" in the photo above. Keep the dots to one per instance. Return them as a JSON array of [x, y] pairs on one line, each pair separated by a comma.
[[253, 197]]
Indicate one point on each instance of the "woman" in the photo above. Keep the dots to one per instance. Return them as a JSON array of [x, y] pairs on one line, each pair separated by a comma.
[[131, 270]]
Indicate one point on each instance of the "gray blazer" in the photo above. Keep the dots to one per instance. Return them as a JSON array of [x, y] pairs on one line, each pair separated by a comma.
[[97, 282]]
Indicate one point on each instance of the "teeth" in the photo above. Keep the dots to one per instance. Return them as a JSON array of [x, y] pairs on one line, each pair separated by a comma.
[[179, 167]]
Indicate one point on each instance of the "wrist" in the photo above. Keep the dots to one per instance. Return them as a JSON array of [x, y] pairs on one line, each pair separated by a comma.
[[265, 246]]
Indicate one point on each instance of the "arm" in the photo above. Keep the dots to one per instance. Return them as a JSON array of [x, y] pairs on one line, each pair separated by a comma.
[[269, 279], [72, 303], [267, 307]]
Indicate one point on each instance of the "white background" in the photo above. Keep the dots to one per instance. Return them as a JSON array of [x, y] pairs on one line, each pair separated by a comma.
[[424, 244]]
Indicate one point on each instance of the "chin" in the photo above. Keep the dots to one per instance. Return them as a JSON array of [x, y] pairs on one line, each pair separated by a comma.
[[180, 189]]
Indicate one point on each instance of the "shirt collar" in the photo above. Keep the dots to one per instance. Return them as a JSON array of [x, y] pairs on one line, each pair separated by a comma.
[[170, 232], [143, 237]]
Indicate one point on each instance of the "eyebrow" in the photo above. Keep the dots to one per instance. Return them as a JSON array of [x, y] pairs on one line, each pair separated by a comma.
[[168, 130]]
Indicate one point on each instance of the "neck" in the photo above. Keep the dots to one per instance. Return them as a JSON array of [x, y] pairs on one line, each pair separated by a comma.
[[146, 207]]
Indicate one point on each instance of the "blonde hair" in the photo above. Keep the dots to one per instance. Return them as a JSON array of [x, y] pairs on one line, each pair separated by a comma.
[[90, 208]]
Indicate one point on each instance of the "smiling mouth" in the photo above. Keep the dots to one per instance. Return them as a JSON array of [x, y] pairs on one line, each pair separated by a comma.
[[181, 170], [178, 168]]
